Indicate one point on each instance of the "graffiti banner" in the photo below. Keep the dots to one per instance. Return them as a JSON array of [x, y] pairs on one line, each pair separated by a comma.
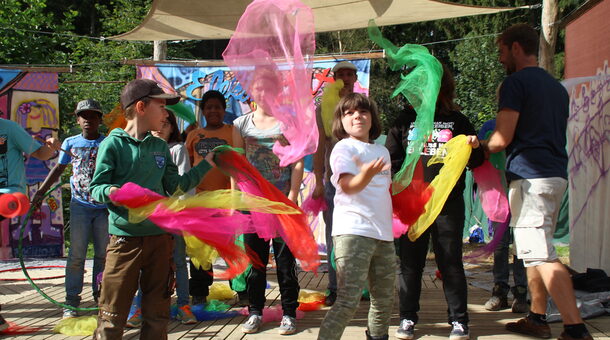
[[588, 166], [30, 99], [192, 82]]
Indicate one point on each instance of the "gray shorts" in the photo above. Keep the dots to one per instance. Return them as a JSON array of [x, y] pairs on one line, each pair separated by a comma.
[[534, 205]]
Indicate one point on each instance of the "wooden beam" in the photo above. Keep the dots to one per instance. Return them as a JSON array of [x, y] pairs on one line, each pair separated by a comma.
[[216, 63], [26, 68]]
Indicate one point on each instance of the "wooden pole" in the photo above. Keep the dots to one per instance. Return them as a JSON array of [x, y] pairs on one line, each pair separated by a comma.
[[548, 35], [160, 50]]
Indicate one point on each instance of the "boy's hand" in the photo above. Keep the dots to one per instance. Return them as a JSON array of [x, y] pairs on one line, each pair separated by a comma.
[[210, 159], [112, 191], [37, 199]]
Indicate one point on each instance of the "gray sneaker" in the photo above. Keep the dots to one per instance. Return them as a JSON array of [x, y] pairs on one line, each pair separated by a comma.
[[288, 325], [406, 330], [253, 324]]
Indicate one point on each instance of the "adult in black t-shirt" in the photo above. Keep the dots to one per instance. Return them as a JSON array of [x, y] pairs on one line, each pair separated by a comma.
[[446, 231], [531, 126]]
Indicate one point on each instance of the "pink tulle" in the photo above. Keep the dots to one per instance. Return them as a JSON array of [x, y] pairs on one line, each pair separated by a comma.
[[398, 228], [491, 191], [293, 228], [271, 314], [271, 53], [215, 227], [313, 206], [489, 248]]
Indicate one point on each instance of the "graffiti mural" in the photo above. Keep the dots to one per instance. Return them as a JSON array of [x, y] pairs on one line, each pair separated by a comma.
[[30, 99], [192, 82], [588, 166]]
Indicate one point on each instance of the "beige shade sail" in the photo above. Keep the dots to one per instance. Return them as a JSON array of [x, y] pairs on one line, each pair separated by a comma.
[[216, 19]]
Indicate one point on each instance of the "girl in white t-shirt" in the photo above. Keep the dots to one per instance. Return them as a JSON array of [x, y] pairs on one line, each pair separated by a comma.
[[362, 219]]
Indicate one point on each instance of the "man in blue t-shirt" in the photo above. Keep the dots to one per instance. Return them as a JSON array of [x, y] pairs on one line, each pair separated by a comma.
[[531, 126], [14, 143], [87, 216]]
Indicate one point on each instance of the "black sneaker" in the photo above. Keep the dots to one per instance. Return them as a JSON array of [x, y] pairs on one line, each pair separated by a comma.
[[406, 330], [330, 298], [459, 331]]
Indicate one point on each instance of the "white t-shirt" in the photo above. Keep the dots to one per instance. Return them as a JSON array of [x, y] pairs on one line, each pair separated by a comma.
[[369, 212]]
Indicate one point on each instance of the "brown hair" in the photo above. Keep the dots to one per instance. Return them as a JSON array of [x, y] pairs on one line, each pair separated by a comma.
[[446, 94], [174, 134], [356, 101], [130, 111], [524, 34]]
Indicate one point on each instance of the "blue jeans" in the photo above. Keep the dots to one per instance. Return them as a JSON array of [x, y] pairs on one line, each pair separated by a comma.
[[182, 274], [85, 222], [501, 268]]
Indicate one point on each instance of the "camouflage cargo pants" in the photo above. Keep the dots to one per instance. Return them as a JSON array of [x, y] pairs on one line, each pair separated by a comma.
[[359, 258]]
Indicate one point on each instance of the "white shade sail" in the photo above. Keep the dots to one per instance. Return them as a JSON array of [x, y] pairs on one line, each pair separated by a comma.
[[214, 19]]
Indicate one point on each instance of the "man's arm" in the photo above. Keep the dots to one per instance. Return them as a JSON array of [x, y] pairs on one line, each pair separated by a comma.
[[52, 177], [47, 150], [503, 134]]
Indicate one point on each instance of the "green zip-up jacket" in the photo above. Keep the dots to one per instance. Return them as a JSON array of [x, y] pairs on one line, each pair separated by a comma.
[[148, 163]]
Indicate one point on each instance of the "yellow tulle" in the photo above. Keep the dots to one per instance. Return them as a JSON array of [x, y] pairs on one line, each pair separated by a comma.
[[457, 153], [201, 254], [330, 99], [217, 199], [305, 297], [220, 291], [82, 325]]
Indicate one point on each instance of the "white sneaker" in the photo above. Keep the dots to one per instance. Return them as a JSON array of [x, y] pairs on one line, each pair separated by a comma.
[[288, 325], [252, 325]]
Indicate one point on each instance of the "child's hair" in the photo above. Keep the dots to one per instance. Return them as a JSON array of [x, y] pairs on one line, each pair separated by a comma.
[[356, 101], [174, 134], [210, 95], [445, 103], [130, 111]]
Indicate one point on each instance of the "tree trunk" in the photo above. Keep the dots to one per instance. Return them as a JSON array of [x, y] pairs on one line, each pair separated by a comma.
[[548, 35], [160, 50]]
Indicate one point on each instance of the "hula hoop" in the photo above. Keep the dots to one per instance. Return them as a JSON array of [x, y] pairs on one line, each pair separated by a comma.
[[24, 270], [35, 278]]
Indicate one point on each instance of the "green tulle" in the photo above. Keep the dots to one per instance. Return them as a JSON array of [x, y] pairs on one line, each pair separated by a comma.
[[420, 86]]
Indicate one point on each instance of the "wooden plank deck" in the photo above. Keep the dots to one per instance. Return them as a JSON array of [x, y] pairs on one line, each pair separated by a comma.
[[24, 306]]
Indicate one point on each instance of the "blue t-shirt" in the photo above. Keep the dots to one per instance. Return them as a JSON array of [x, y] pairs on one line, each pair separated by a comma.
[[14, 142], [538, 149], [83, 167]]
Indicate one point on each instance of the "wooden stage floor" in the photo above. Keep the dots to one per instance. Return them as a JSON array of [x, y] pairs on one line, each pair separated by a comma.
[[22, 305]]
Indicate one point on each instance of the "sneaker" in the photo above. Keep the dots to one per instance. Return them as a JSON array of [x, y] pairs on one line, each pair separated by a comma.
[[135, 320], [3, 324], [520, 306], [529, 327], [253, 324], [198, 300], [566, 336], [288, 325], [330, 298], [496, 303], [185, 315], [459, 331], [406, 330], [69, 313]]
